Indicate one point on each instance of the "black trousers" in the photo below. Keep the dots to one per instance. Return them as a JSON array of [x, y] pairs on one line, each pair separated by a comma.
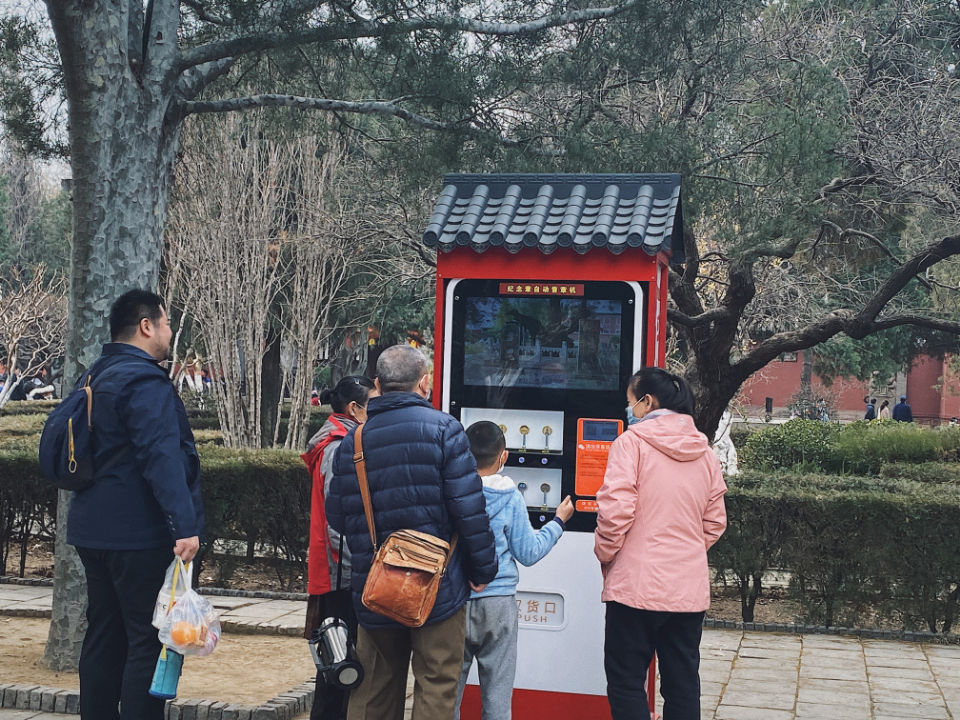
[[120, 649], [330, 701], [631, 637]]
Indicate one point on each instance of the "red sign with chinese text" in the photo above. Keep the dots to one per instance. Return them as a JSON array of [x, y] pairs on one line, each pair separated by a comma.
[[562, 289]]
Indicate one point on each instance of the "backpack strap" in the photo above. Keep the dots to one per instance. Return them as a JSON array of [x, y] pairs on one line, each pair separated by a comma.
[[88, 382]]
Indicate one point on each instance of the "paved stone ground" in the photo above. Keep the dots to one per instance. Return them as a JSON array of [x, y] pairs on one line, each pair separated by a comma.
[[747, 676], [237, 614], [744, 675]]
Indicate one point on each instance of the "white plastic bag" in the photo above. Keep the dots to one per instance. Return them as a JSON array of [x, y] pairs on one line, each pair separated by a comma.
[[172, 590], [191, 625]]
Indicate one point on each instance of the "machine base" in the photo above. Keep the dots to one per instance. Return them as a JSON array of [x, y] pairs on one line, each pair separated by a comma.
[[539, 704]]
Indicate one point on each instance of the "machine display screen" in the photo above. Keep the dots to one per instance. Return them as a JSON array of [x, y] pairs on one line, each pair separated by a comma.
[[542, 342], [600, 431]]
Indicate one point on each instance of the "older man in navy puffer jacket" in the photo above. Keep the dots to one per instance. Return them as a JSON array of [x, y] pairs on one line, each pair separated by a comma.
[[422, 476]]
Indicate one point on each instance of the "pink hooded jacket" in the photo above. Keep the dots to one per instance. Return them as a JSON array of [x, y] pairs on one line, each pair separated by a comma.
[[660, 509]]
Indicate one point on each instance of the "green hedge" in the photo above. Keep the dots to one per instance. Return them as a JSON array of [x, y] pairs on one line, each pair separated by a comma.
[[28, 407], [886, 543], [22, 419], [853, 544], [260, 498], [859, 448], [28, 506]]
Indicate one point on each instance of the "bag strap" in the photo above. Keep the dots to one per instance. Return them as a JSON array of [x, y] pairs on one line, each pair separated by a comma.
[[361, 466], [340, 562]]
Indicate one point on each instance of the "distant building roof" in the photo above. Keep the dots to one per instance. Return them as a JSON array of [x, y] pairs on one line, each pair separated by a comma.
[[548, 211]]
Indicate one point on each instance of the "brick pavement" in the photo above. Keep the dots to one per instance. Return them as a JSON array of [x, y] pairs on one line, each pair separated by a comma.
[[237, 614], [744, 675]]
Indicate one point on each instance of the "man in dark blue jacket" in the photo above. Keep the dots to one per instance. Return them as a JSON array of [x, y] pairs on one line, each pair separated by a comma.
[[422, 476], [902, 411], [143, 508]]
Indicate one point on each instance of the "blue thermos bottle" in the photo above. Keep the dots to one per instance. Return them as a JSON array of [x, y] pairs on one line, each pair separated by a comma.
[[166, 676]]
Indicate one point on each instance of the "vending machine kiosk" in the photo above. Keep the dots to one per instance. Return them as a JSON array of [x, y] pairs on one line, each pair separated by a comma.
[[551, 293]]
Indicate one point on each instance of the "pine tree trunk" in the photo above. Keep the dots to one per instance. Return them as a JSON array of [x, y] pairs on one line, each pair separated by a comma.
[[123, 142]]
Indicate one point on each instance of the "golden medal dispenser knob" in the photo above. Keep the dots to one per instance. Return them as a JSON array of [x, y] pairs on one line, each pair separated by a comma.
[[524, 431], [547, 432]]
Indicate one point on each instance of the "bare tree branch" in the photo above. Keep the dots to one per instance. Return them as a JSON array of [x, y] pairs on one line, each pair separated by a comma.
[[705, 318], [372, 107], [203, 12], [194, 80], [245, 44], [860, 324], [843, 234], [924, 321]]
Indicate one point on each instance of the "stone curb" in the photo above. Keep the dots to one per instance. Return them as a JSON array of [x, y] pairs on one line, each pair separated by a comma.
[[783, 628], [33, 582], [233, 626], [52, 700], [214, 591]]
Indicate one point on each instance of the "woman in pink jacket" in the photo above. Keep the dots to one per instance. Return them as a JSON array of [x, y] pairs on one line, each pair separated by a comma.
[[660, 510]]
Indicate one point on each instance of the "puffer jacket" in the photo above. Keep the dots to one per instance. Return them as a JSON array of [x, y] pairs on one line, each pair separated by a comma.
[[147, 491], [422, 477], [660, 508]]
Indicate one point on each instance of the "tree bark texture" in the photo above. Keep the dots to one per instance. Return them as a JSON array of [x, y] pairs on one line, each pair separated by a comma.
[[123, 142]]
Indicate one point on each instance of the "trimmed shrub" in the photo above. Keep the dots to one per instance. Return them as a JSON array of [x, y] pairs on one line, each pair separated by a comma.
[[28, 407], [861, 447], [28, 505], [740, 433], [261, 498], [850, 542], [797, 443], [933, 472]]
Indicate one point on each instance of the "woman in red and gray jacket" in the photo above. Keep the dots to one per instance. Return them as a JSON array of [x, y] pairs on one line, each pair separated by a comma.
[[659, 510], [348, 399]]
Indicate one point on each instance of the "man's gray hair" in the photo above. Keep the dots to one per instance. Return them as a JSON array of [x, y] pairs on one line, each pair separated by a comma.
[[400, 367]]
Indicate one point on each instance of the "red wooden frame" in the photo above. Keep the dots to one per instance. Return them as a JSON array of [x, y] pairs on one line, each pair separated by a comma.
[[564, 264]]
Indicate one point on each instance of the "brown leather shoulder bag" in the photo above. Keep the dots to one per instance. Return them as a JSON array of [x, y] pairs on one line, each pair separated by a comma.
[[407, 568]]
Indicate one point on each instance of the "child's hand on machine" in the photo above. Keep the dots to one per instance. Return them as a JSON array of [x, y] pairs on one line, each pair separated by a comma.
[[565, 510]]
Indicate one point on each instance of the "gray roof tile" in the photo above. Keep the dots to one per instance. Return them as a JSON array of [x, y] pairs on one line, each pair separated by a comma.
[[548, 211]]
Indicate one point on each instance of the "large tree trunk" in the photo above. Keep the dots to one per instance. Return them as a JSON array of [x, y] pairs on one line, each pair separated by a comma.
[[122, 145]]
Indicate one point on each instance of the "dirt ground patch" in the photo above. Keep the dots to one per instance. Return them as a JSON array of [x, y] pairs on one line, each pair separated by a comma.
[[248, 669]]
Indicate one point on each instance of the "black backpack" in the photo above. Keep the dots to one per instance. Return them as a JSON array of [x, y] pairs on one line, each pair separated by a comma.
[[66, 443]]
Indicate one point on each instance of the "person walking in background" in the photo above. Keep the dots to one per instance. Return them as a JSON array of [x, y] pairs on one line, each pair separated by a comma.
[[41, 386], [491, 634], [902, 411], [348, 399], [143, 508], [422, 477], [660, 509], [884, 412], [871, 411]]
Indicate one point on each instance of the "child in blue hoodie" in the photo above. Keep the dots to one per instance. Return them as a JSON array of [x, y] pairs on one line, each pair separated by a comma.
[[491, 635]]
